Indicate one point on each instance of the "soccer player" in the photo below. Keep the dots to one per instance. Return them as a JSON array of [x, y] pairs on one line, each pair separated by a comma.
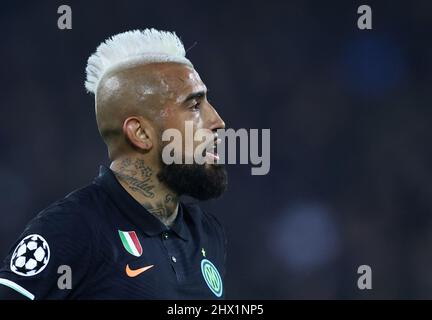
[[127, 235]]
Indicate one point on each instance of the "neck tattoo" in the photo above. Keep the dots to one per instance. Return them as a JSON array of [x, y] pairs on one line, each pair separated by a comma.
[[138, 177]]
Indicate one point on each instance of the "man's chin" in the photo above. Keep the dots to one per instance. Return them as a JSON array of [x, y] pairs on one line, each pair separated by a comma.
[[203, 182]]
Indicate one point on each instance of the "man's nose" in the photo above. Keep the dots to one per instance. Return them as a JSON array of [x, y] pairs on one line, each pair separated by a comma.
[[215, 121]]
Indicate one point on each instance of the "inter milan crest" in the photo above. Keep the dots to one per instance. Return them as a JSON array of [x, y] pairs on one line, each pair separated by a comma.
[[212, 277], [31, 256]]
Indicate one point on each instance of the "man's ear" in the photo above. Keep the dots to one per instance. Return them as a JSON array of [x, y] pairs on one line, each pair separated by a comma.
[[139, 132]]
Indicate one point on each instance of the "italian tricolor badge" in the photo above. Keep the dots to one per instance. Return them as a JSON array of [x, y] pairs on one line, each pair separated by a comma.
[[130, 242]]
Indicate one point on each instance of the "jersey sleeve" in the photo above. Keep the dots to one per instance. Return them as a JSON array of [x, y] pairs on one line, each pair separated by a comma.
[[50, 257]]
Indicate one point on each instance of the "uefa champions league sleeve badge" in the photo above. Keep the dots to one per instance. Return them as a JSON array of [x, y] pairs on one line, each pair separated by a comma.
[[30, 256]]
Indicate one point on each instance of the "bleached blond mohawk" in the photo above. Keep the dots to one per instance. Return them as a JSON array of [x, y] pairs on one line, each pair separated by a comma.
[[133, 48]]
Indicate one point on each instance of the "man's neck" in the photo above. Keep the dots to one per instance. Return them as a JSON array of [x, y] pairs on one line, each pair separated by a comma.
[[140, 181]]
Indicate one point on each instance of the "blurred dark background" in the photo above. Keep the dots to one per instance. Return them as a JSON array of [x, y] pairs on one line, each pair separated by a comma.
[[350, 118]]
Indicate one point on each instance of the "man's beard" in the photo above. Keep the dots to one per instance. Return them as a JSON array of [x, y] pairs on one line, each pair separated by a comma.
[[202, 182]]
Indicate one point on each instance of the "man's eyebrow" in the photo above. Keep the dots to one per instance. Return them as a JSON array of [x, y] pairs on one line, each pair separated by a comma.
[[196, 95]]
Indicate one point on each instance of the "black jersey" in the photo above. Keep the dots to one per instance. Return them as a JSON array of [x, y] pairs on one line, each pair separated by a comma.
[[99, 243]]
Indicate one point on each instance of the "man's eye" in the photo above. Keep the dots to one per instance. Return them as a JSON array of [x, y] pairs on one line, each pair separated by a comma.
[[196, 107]]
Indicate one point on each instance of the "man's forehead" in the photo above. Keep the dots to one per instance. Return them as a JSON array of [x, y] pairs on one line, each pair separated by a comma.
[[182, 77], [173, 80], [180, 80]]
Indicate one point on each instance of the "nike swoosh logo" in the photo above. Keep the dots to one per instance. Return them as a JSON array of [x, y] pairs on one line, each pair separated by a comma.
[[133, 273]]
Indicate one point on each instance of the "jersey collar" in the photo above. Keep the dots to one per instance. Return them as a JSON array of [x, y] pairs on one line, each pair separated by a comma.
[[134, 211]]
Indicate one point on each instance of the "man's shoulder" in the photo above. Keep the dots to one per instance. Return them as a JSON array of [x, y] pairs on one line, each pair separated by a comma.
[[65, 233], [79, 208]]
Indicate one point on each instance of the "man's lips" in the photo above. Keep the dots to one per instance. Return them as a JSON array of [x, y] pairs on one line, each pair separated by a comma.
[[213, 145], [214, 156], [210, 150]]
